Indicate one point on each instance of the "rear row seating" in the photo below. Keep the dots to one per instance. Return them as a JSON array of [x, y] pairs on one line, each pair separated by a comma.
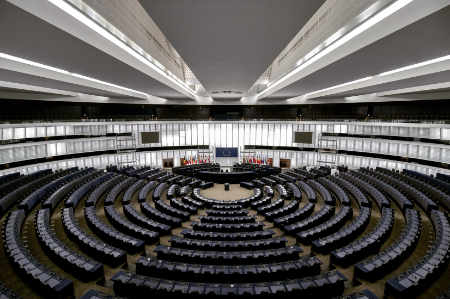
[[102, 189], [325, 213], [308, 190], [424, 201], [13, 184], [145, 191], [262, 202], [330, 226], [80, 266], [159, 190], [225, 207], [282, 191], [110, 234], [336, 189], [287, 177], [283, 211], [386, 260], [34, 198], [156, 215], [268, 181], [439, 183], [128, 196], [9, 177], [91, 245], [374, 193], [228, 258], [233, 213], [215, 236], [432, 264], [27, 185], [6, 293], [229, 219], [65, 191], [387, 189], [370, 243], [243, 245], [295, 192], [169, 210], [239, 227], [354, 191], [347, 233], [268, 190], [436, 194], [142, 220], [324, 193], [130, 228], [173, 191], [257, 183], [83, 190], [185, 190], [305, 266], [136, 286], [114, 193], [47, 282], [271, 206], [295, 216], [179, 205]]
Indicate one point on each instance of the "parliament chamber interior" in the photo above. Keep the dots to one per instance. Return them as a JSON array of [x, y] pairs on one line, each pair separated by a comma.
[[224, 149]]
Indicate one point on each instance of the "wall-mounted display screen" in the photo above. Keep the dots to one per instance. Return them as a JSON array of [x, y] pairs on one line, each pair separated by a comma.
[[226, 152], [303, 137], [150, 137]]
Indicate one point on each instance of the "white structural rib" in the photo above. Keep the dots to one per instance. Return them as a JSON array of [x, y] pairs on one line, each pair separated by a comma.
[[423, 68], [397, 15], [25, 66], [66, 17], [33, 92], [36, 89]]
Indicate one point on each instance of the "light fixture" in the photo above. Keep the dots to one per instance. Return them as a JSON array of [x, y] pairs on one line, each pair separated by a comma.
[[61, 71], [337, 40], [417, 65], [338, 86], [387, 73], [135, 51]]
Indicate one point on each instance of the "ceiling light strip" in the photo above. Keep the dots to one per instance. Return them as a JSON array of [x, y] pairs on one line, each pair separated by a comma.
[[384, 74], [67, 73], [334, 42], [136, 52]]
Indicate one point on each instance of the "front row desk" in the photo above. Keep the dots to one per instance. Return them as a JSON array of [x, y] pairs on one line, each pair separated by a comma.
[[226, 177]]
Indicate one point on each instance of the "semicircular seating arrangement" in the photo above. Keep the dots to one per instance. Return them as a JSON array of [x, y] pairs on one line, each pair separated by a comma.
[[141, 232]]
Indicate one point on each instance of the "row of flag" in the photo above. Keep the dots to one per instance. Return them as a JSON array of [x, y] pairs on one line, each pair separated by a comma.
[[255, 160], [197, 160]]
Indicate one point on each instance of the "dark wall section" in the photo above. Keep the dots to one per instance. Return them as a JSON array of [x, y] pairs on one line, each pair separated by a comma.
[[27, 110]]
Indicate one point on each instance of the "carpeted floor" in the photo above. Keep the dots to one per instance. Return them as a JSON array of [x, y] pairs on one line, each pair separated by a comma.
[[218, 192]]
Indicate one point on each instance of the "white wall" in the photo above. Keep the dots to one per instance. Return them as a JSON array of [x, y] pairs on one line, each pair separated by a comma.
[[228, 134]]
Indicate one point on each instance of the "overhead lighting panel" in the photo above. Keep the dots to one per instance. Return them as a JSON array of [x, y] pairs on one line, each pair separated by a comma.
[[92, 19], [67, 73], [337, 40], [375, 77]]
